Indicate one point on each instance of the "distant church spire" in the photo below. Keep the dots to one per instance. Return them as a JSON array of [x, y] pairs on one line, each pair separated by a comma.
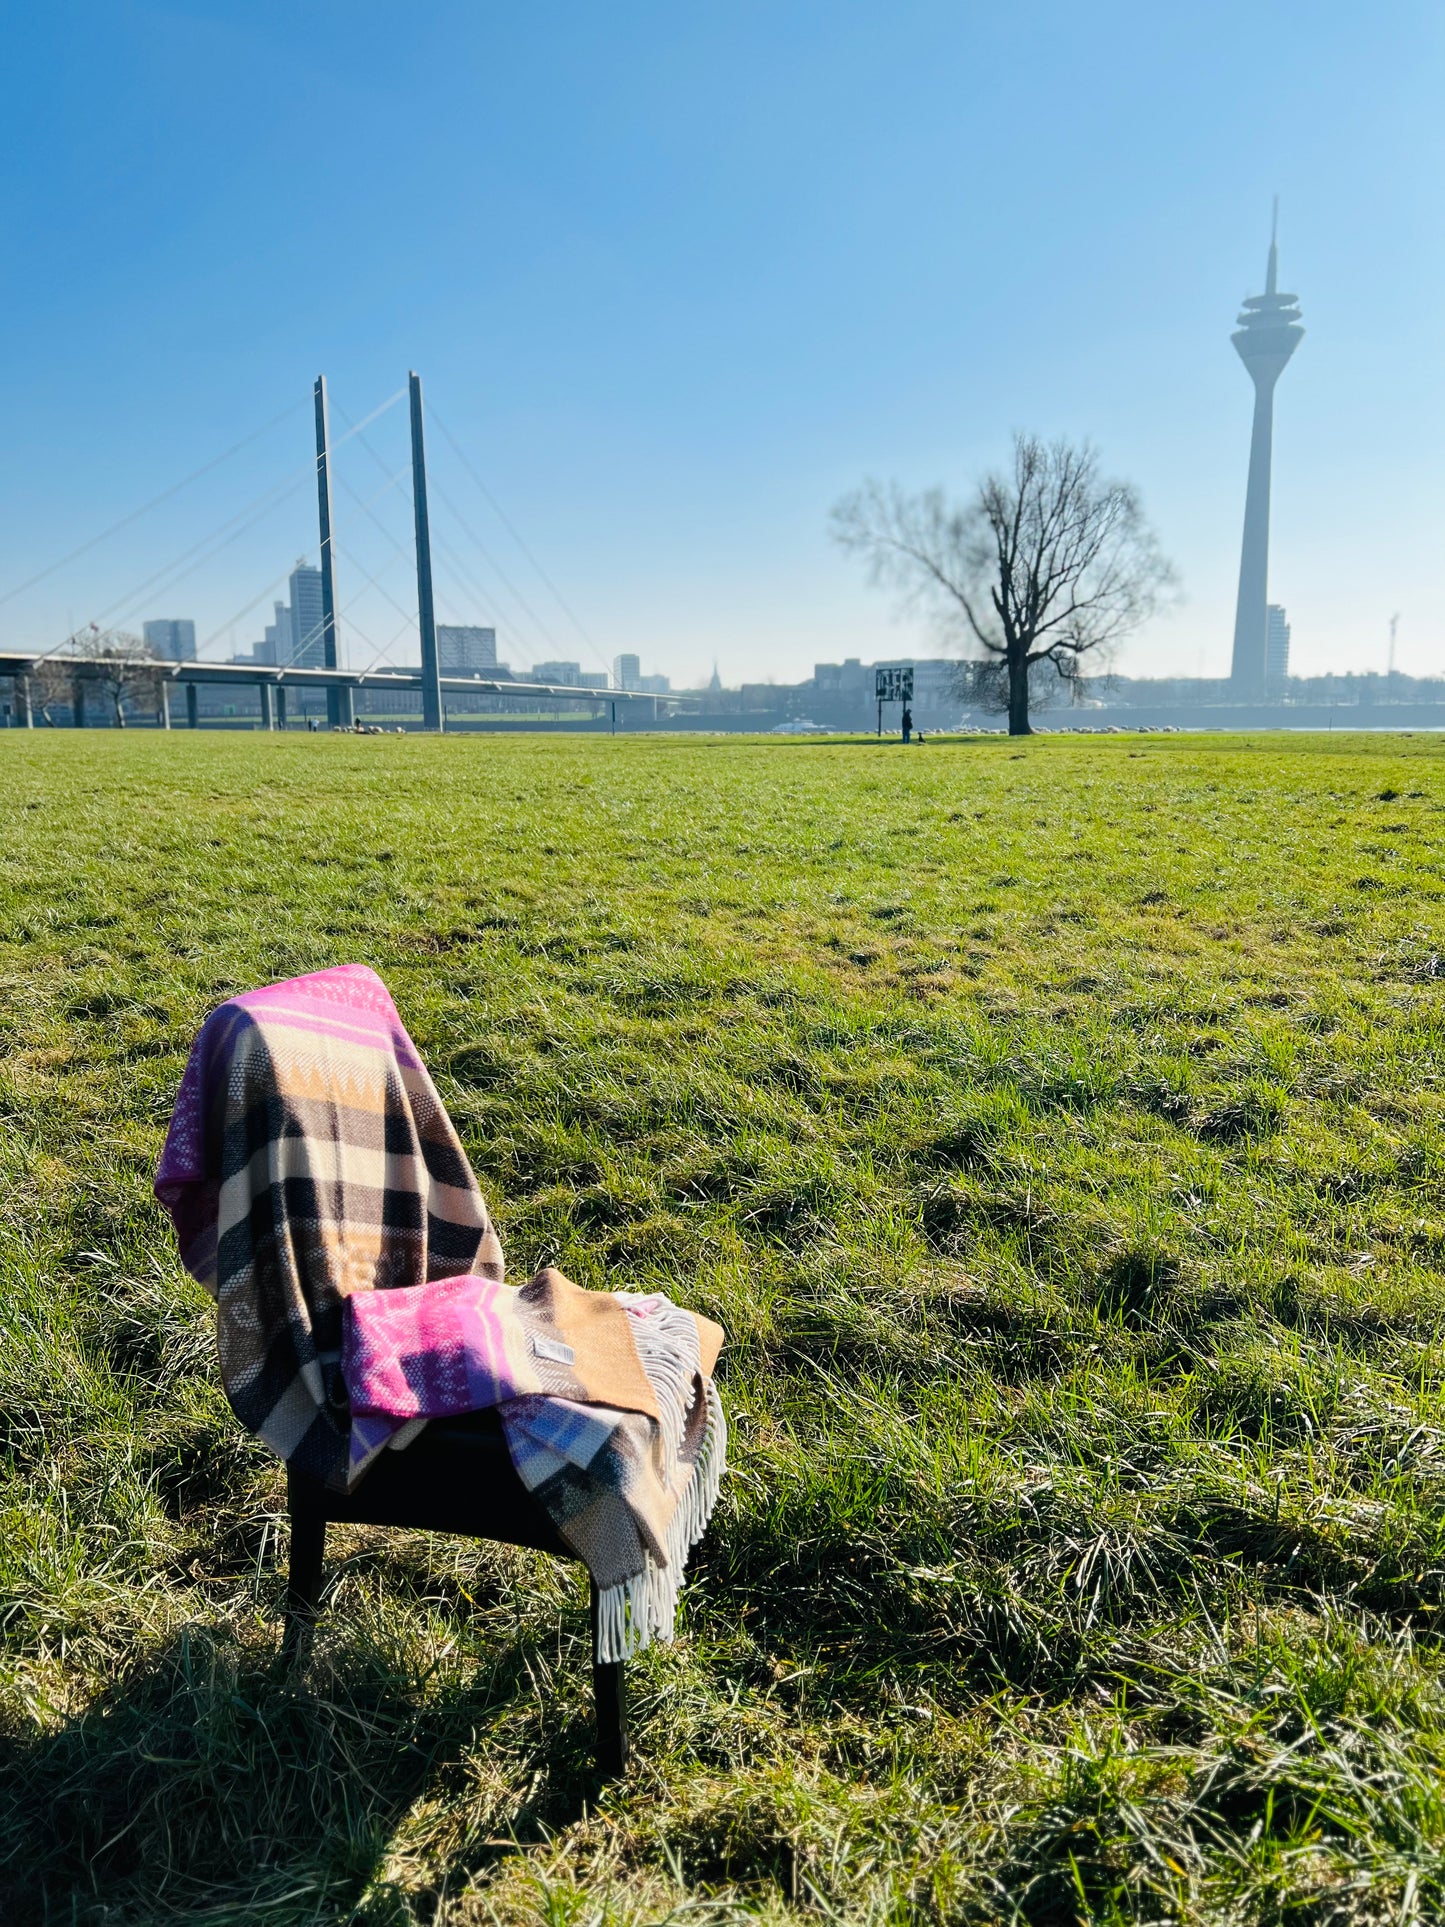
[[716, 683]]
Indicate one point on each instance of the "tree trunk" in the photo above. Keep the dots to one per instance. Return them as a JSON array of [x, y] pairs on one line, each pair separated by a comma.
[[1018, 697]]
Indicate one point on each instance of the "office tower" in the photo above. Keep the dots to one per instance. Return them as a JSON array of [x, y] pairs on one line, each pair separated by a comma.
[[174, 640], [567, 674], [275, 645], [1269, 332], [626, 672], [463, 648], [308, 633], [1276, 649]]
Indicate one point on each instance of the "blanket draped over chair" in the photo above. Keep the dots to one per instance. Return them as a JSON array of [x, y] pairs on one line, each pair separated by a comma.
[[321, 1195]]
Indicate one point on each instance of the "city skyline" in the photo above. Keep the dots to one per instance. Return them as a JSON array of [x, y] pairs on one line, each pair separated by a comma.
[[666, 353]]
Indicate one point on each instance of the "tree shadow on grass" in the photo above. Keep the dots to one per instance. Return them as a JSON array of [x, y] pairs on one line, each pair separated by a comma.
[[207, 1784]]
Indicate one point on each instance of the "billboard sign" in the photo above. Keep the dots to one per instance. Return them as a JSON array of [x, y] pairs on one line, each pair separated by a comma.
[[893, 685]]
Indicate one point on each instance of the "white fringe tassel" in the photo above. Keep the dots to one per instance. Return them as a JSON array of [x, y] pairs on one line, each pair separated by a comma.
[[644, 1608]]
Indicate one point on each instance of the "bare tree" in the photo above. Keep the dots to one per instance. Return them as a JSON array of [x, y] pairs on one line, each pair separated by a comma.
[[51, 683], [1043, 565], [985, 685], [120, 664]]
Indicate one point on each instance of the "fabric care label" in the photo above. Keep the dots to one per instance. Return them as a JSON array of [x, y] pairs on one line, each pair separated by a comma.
[[554, 1349]]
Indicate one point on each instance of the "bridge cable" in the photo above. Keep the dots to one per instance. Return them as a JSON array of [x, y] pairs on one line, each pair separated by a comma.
[[262, 505], [516, 536], [216, 634], [191, 559], [467, 580], [154, 502], [491, 560]]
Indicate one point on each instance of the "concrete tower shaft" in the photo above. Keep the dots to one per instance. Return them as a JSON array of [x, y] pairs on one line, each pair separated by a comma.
[[1268, 333]]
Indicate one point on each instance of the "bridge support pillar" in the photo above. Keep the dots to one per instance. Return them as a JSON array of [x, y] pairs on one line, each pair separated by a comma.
[[345, 705], [432, 717], [268, 707], [77, 703], [193, 707], [280, 705], [163, 711]]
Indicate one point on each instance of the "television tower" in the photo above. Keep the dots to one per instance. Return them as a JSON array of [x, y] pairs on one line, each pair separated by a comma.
[[1269, 333]]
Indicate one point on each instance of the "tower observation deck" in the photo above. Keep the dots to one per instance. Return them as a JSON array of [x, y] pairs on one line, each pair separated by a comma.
[[1269, 331]]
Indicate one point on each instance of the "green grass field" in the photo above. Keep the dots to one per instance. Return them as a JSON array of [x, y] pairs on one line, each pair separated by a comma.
[[1057, 1129]]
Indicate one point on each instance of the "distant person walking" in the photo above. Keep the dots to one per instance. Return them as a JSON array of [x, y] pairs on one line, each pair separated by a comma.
[[907, 723]]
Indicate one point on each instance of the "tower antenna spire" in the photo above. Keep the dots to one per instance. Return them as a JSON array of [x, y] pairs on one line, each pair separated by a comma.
[[1271, 278]]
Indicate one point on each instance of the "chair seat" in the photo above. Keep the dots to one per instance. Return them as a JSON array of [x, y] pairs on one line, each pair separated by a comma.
[[456, 1476]]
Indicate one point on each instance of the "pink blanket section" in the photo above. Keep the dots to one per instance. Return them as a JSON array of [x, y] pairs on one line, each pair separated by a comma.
[[427, 1351], [435, 1350]]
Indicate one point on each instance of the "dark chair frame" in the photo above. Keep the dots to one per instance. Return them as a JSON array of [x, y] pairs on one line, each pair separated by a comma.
[[458, 1477]]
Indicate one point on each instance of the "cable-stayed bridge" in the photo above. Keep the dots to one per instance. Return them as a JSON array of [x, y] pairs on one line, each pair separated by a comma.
[[273, 683], [315, 660]]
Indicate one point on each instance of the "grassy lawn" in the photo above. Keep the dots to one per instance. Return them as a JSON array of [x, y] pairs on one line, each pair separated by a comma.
[[1057, 1129]]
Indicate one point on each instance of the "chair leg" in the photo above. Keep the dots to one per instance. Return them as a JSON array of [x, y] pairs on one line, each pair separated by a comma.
[[609, 1690], [303, 1586]]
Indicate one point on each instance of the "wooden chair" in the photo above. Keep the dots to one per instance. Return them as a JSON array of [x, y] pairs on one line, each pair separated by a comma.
[[457, 1476]]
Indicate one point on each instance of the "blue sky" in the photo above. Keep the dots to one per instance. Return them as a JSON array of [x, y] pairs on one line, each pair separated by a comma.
[[678, 276]]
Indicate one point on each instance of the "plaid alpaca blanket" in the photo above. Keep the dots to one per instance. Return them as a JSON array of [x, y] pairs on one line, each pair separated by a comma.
[[464, 1344], [320, 1193], [629, 1496], [630, 1484], [309, 1156]]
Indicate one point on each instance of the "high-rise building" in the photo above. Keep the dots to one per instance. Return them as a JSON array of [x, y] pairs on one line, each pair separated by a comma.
[[295, 638], [275, 645], [626, 672], [1276, 648], [566, 674], [654, 685], [174, 640], [847, 680], [1269, 332], [308, 631], [463, 647], [593, 679]]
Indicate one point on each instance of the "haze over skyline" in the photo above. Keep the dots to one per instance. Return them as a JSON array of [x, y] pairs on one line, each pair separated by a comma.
[[677, 279]]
